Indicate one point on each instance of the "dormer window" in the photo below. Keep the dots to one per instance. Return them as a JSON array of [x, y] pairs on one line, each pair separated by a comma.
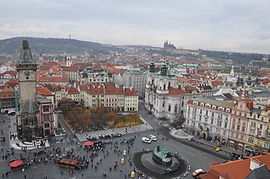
[[221, 109]]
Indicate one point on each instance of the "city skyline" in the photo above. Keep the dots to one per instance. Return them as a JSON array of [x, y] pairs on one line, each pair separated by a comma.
[[241, 26]]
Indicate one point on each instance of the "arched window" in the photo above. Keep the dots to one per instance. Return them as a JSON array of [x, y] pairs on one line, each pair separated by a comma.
[[164, 86], [169, 108]]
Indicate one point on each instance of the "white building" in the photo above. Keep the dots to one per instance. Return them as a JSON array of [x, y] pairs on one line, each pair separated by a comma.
[[208, 118], [132, 79], [95, 76], [162, 97]]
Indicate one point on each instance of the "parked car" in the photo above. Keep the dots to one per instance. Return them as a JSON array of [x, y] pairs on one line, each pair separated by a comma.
[[146, 140], [198, 172], [152, 137], [217, 149]]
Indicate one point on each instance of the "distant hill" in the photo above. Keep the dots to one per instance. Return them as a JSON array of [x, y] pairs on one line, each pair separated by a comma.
[[55, 45], [242, 58]]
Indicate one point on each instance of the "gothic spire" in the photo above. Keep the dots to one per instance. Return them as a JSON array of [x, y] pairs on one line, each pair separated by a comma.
[[25, 54]]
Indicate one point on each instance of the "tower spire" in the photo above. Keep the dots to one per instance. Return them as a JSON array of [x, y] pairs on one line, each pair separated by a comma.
[[25, 54]]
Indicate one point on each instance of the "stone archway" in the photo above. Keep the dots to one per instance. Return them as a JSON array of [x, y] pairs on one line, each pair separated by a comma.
[[203, 134]]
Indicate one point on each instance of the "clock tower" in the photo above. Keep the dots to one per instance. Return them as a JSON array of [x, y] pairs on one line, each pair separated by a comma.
[[26, 67], [28, 127]]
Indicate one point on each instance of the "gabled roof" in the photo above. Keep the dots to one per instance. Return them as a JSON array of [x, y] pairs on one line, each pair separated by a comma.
[[12, 83], [113, 69], [190, 89], [12, 73], [175, 91], [44, 91], [238, 169], [216, 83], [72, 90]]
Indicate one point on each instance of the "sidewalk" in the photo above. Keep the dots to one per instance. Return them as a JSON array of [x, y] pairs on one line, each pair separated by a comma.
[[211, 145]]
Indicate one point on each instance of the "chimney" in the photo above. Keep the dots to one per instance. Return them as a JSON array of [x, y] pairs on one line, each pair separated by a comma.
[[254, 163]]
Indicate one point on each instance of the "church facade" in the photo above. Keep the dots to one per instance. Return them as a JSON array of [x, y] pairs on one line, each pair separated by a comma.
[[163, 98]]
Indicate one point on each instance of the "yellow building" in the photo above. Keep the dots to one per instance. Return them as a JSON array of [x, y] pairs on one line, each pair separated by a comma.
[[258, 132]]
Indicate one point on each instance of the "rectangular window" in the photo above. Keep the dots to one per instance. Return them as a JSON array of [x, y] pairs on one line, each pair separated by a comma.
[[46, 108], [46, 117], [47, 125], [250, 139]]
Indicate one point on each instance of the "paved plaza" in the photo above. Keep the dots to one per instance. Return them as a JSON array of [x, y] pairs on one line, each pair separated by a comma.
[[105, 159]]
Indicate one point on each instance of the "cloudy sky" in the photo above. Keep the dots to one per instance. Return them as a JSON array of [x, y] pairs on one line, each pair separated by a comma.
[[230, 25]]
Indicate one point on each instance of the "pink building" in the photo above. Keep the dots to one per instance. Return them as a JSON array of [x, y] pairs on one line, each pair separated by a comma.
[[45, 116]]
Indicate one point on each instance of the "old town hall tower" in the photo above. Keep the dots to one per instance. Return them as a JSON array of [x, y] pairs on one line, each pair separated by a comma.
[[27, 123]]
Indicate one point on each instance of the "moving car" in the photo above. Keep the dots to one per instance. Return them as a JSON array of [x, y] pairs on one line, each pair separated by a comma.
[[146, 140], [198, 172], [152, 137], [218, 149]]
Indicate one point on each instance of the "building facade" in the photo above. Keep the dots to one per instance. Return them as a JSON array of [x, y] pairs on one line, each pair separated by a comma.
[[45, 116], [208, 118], [239, 124], [258, 130], [162, 97], [109, 95]]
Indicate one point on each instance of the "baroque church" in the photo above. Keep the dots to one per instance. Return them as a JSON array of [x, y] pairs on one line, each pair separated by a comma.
[[163, 98]]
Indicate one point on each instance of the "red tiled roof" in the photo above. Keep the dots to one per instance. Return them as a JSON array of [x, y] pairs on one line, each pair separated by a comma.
[[265, 81], [6, 95], [12, 83], [130, 92], [113, 70], [217, 83], [12, 73], [108, 89], [71, 68], [194, 81], [175, 91], [238, 169], [189, 89], [182, 79], [72, 90], [44, 91]]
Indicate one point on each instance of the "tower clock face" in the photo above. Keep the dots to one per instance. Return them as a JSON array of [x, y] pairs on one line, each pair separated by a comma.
[[26, 73]]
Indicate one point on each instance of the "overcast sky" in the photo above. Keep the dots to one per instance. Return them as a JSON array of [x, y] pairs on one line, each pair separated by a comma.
[[230, 25]]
